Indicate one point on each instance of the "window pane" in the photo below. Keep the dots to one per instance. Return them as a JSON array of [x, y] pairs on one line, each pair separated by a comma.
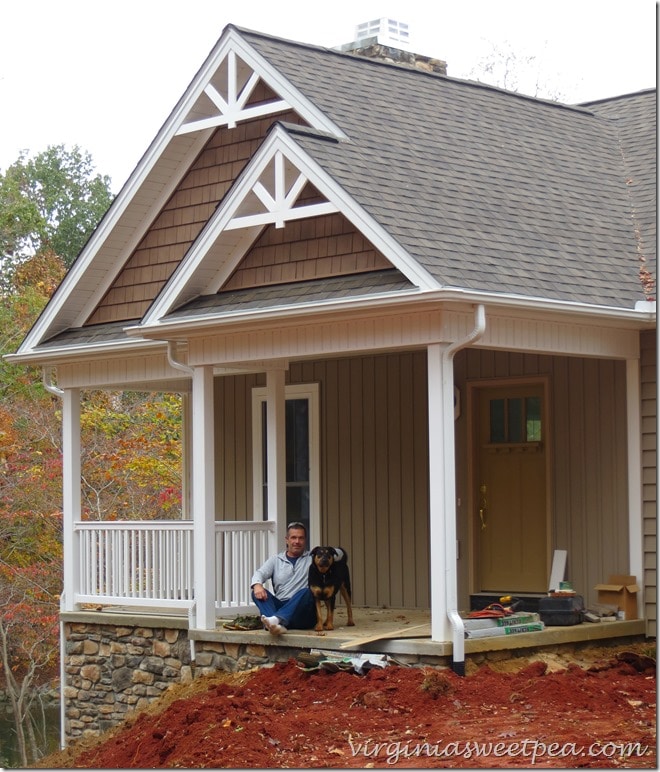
[[297, 440], [533, 410], [264, 462], [297, 503], [497, 433], [297, 459]]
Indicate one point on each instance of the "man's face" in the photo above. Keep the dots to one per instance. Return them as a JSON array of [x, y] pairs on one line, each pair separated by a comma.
[[295, 542]]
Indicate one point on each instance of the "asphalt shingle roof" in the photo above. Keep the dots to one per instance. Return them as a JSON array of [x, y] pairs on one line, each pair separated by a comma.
[[487, 189], [294, 293]]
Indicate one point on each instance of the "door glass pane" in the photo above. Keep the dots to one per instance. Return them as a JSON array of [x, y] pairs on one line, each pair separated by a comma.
[[497, 433], [515, 420], [533, 411]]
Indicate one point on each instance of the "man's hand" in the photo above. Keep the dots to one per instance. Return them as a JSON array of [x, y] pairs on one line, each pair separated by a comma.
[[259, 591]]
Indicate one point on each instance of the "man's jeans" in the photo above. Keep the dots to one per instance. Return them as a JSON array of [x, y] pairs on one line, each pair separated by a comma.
[[296, 613]]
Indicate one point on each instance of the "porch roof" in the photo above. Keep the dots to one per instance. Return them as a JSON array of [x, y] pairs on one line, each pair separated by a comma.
[[293, 293]]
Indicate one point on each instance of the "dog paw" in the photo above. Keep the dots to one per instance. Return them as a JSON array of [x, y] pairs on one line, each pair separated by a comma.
[[350, 623]]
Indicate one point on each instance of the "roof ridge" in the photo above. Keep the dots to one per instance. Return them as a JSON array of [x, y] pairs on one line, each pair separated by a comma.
[[368, 61]]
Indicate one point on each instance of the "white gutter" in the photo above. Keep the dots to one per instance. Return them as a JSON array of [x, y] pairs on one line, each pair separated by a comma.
[[643, 313], [111, 348], [451, 579]]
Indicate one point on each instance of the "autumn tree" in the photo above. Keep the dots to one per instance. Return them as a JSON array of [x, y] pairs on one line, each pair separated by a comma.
[[30, 570], [130, 442]]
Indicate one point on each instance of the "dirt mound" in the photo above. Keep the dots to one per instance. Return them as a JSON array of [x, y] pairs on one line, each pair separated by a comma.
[[599, 715]]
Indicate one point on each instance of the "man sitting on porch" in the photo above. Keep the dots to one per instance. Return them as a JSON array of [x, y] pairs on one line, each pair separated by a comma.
[[292, 604]]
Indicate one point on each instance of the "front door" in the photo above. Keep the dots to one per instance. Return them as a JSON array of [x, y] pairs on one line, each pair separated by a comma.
[[510, 489]]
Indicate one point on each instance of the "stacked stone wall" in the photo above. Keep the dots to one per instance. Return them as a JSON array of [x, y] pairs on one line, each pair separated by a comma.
[[110, 670]]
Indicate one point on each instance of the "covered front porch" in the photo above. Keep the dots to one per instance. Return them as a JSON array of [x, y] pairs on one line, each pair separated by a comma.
[[391, 450]]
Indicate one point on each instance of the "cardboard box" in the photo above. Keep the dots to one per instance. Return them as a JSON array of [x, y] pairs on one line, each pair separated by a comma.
[[620, 591]]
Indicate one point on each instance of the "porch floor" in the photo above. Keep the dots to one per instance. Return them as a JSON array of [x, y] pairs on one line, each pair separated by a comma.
[[393, 631]]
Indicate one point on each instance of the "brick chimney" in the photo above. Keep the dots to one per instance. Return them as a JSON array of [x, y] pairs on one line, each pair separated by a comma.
[[388, 40]]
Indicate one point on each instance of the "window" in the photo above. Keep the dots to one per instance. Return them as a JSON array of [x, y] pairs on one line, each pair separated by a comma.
[[302, 456]]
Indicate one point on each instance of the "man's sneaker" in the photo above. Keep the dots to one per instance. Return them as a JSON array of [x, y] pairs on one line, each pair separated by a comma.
[[273, 625]]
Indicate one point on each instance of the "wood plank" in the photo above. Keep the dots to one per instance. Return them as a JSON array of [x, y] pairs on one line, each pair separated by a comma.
[[381, 636]]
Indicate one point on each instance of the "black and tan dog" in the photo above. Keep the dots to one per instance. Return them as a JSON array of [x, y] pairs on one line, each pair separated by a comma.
[[329, 575]]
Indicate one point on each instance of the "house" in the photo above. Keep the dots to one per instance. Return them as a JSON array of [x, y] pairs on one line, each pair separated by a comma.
[[414, 311]]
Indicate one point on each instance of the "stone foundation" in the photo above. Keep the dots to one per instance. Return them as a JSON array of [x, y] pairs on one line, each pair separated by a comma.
[[111, 670]]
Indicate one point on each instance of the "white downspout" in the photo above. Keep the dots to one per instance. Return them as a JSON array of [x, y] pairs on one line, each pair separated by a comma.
[[174, 362], [48, 383], [52, 389], [451, 581]]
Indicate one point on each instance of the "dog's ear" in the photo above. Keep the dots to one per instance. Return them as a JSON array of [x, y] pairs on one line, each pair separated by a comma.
[[334, 551], [315, 551]]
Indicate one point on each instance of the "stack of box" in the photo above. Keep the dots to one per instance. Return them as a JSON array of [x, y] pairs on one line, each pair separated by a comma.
[[510, 625]]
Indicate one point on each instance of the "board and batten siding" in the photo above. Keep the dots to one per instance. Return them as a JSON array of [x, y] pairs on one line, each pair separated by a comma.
[[649, 392], [374, 472], [374, 468], [588, 444], [374, 477]]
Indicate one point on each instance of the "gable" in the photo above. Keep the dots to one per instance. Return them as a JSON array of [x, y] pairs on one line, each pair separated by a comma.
[[234, 87], [180, 221]]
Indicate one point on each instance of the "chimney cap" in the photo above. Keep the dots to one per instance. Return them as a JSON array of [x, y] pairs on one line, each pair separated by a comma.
[[389, 32]]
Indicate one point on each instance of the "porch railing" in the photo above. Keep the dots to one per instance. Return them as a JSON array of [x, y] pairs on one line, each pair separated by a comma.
[[150, 563]]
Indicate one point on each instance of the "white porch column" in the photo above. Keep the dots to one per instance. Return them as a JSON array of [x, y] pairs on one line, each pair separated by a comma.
[[442, 494], [71, 496], [635, 507], [276, 451], [203, 497]]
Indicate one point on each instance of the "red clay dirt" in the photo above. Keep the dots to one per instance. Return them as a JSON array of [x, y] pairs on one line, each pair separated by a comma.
[[599, 715]]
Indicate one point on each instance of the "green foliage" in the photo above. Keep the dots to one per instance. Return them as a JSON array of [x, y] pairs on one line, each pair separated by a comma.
[[51, 202]]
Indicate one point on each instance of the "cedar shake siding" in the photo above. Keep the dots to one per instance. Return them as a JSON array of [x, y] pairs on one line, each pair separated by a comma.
[[181, 219]]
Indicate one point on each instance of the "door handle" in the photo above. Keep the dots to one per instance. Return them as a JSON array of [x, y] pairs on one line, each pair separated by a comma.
[[482, 508]]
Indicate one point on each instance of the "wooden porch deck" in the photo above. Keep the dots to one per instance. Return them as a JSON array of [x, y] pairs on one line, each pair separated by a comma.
[[397, 632]]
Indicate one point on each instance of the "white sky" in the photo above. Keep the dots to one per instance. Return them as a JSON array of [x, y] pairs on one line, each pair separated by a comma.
[[105, 74]]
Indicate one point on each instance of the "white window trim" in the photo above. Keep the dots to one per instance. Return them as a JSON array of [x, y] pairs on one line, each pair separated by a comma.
[[309, 391]]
